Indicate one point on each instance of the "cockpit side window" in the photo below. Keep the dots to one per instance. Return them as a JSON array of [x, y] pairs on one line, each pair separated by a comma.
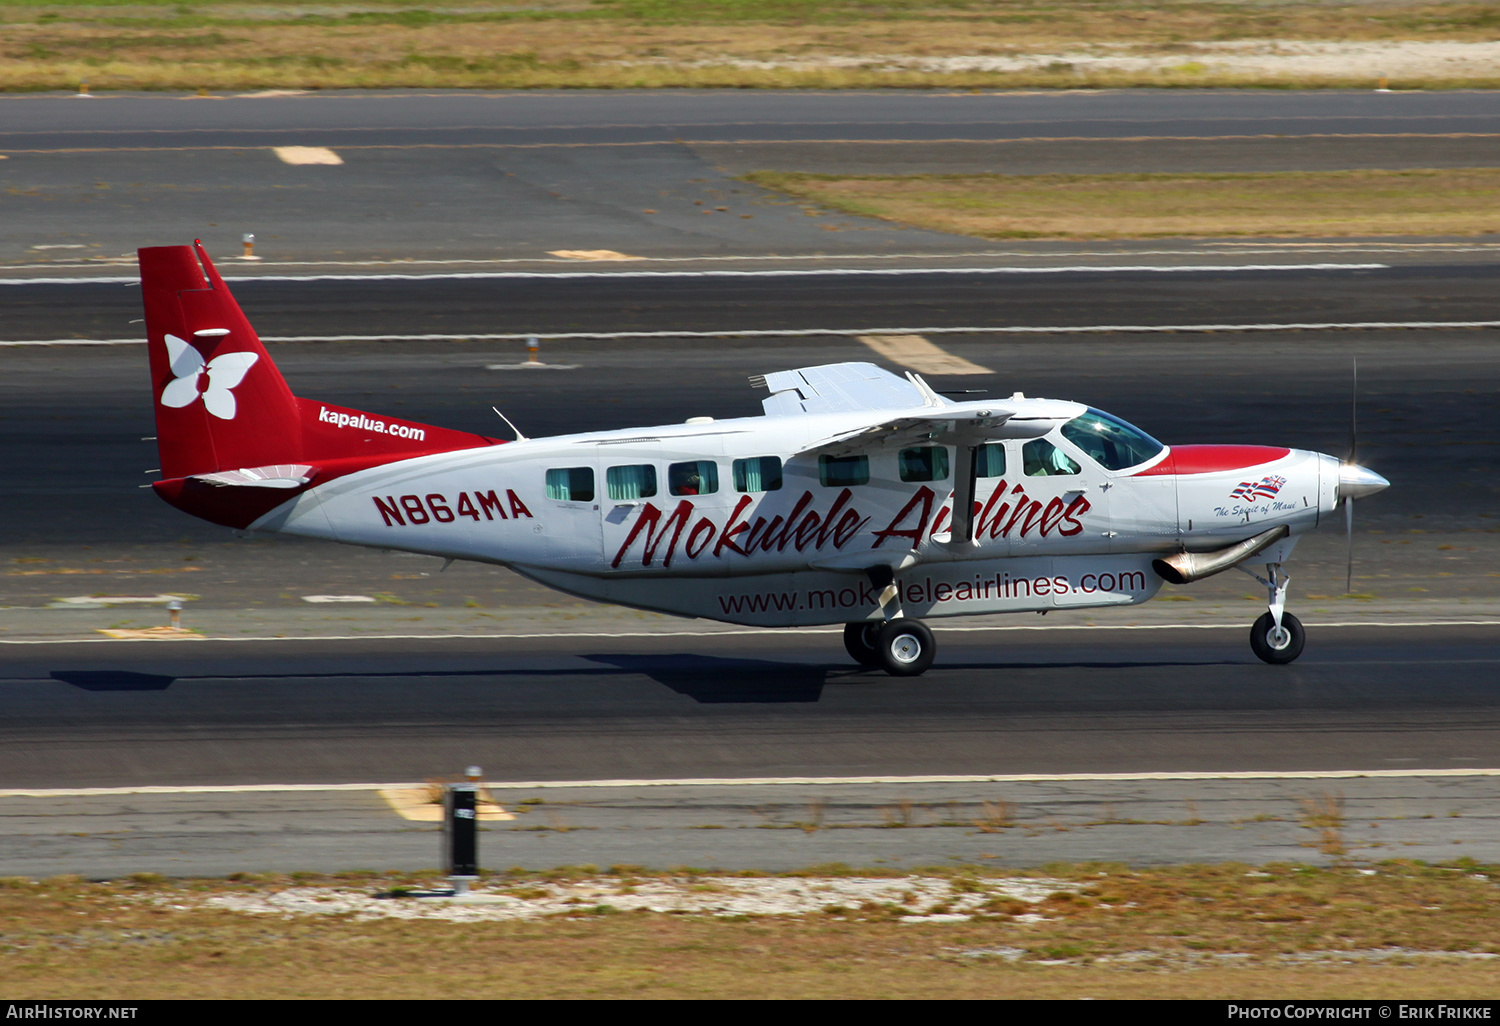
[[1110, 441], [1043, 459]]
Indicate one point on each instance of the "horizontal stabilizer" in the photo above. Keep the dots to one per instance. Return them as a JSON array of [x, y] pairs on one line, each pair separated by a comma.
[[283, 475]]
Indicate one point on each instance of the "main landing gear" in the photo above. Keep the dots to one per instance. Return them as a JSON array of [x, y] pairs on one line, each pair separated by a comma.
[[900, 647], [1277, 637]]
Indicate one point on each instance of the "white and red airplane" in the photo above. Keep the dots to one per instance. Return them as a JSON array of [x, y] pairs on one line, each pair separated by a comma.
[[859, 497]]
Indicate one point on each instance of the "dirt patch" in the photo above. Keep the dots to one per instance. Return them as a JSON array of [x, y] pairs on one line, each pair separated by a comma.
[[1382, 930], [1316, 204], [634, 43]]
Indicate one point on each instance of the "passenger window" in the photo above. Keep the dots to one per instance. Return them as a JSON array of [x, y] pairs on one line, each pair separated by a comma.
[[634, 482], [700, 477], [929, 463], [1043, 459], [757, 474], [989, 461], [843, 471], [572, 484]]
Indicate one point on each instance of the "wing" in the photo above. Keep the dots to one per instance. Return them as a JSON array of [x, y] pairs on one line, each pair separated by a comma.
[[841, 388], [959, 424], [903, 411]]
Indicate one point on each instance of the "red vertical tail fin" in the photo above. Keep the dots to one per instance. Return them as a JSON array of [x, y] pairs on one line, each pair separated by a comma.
[[221, 404], [220, 401]]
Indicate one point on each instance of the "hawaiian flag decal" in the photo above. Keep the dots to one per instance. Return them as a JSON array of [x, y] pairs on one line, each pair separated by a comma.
[[1265, 488]]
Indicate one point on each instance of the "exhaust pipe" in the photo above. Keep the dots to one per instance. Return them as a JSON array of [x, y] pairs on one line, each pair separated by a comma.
[[1186, 567]]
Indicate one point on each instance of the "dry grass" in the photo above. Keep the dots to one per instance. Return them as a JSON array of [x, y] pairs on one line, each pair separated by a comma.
[[1138, 933], [1307, 204], [1325, 813], [239, 44], [998, 815]]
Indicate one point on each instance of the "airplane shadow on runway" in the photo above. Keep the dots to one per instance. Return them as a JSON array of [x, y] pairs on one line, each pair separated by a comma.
[[702, 678], [712, 680], [113, 680], [709, 680]]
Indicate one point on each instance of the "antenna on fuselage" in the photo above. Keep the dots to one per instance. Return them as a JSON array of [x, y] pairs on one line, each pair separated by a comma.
[[519, 437]]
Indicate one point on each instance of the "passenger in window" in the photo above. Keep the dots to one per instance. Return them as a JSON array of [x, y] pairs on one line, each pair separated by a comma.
[[700, 477], [1043, 459]]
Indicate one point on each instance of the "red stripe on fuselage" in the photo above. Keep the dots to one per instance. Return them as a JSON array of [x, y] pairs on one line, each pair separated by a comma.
[[1212, 459]]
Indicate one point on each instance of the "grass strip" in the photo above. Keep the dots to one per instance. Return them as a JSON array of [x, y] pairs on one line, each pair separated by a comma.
[[248, 44], [1393, 929], [1293, 204]]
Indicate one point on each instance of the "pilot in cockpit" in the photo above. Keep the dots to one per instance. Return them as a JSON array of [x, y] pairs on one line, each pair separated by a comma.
[[1043, 459]]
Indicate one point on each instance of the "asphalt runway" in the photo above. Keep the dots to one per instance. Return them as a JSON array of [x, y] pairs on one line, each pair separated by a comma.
[[618, 116], [72, 418], [474, 176], [599, 301], [758, 705]]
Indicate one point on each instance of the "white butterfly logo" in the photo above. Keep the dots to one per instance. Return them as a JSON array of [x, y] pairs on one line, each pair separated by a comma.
[[224, 373]]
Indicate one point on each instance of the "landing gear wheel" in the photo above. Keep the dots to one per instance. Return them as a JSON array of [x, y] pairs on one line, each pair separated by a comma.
[[859, 642], [1274, 645], [905, 647]]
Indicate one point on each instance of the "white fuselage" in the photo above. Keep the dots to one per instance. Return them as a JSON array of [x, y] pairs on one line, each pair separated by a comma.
[[796, 554]]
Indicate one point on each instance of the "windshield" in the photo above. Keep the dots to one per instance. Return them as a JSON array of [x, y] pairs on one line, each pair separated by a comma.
[[1109, 441]]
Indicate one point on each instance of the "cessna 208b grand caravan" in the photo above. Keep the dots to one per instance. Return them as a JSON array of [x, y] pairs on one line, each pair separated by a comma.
[[858, 498]]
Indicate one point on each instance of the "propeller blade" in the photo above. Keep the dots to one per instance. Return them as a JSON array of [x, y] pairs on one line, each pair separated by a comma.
[[1354, 414], [1349, 499], [1349, 546]]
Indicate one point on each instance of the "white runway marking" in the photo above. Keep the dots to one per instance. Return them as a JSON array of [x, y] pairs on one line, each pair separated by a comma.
[[796, 272], [812, 272], [1235, 626], [859, 333], [995, 778], [306, 155], [920, 355]]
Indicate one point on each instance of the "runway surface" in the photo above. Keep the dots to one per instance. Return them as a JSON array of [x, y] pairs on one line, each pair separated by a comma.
[[663, 301], [666, 115], [742, 706], [73, 417], [518, 176]]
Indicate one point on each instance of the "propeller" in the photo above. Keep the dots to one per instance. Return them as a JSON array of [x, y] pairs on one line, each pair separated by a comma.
[[1355, 482], [1349, 462]]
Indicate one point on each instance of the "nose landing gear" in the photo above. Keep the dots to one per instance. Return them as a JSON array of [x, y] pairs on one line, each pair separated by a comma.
[[1277, 636]]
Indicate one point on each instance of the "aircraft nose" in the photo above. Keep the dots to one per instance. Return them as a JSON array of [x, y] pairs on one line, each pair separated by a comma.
[[1358, 482]]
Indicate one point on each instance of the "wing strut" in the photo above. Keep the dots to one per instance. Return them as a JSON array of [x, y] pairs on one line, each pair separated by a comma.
[[962, 532]]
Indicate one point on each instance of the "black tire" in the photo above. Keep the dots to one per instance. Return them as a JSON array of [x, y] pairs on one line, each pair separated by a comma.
[[1277, 650], [906, 647], [859, 642]]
